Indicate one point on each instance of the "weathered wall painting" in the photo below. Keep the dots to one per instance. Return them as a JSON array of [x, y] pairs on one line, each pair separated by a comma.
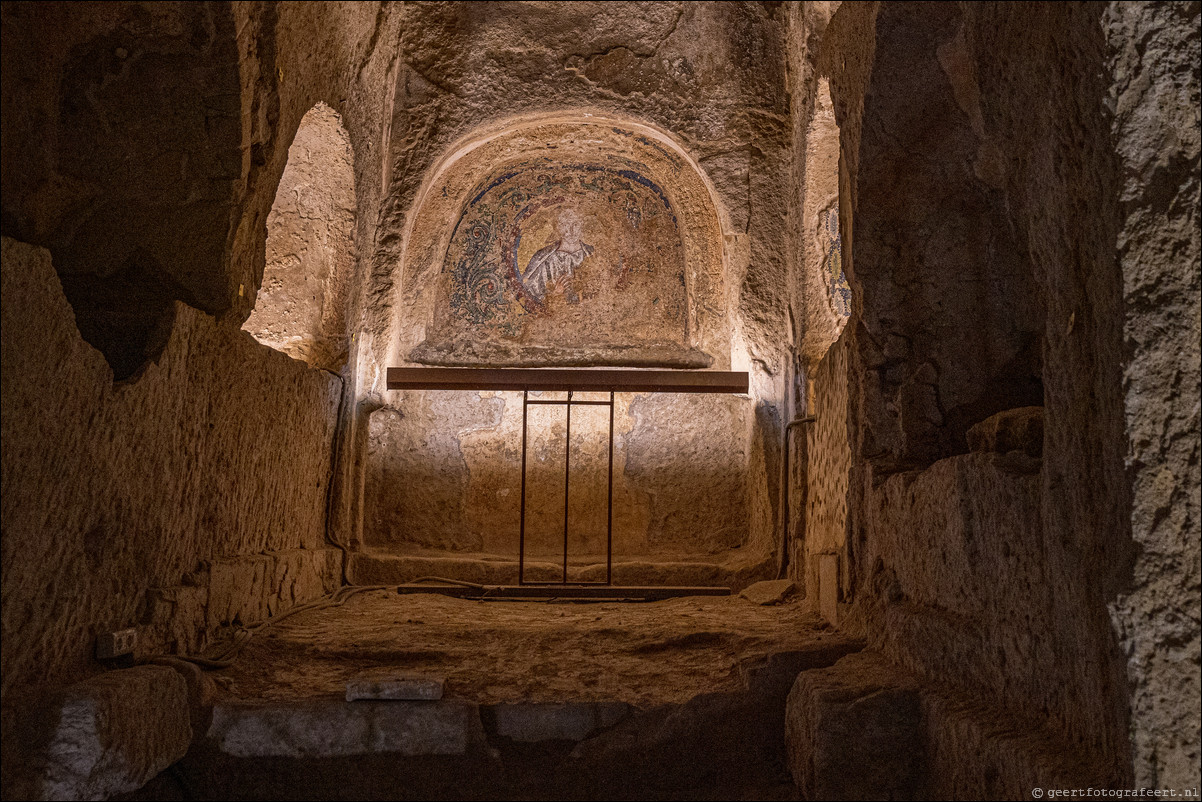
[[568, 255], [832, 260]]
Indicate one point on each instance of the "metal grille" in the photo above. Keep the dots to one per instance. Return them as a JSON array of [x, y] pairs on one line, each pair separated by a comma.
[[567, 474]]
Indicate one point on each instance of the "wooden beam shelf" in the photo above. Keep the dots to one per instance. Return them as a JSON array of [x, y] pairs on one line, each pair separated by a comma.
[[607, 380]]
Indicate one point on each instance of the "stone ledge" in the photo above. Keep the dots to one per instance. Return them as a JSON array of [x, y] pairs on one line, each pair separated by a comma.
[[396, 569], [247, 589]]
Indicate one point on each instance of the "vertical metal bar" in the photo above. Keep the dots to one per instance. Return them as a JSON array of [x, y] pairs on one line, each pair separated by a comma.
[[522, 525], [609, 521], [567, 471]]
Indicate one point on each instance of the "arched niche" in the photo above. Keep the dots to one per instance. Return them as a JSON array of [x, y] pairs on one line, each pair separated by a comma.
[[441, 477], [565, 240], [300, 307]]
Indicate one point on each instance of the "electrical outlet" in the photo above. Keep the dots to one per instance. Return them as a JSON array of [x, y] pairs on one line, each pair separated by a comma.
[[116, 644]]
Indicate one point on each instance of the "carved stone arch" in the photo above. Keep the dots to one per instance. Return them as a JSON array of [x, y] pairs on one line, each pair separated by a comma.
[[633, 162]]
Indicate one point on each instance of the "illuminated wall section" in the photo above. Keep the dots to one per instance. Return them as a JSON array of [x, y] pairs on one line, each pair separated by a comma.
[[564, 242]]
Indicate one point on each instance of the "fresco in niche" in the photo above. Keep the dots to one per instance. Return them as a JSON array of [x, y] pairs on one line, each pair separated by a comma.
[[553, 266], [568, 255], [832, 260]]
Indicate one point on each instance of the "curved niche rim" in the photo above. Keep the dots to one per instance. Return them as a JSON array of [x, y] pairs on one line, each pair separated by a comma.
[[627, 190]]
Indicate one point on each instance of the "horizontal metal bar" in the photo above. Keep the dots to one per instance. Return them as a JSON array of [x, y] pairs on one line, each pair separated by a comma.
[[564, 591], [530, 583], [624, 380], [573, 402]]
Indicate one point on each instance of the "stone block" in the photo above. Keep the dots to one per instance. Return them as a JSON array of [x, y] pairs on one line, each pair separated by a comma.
[[531, 723], [202, 691], [104, 736], [397, 688], [853, 731], [772, 591], [254, 588], [336, 728]]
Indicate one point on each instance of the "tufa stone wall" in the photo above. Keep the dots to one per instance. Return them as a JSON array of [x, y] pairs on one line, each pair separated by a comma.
[[825, 301], [1154, 95], [207, 98], [194, 494], [444, 476], [953, 62], [952, 333], [828, 467], [192, 498], [1002, 576], [167, 77], [301, 307]]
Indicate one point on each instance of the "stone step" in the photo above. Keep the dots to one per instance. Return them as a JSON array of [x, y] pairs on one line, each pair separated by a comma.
[[367, 568], [714, 746]]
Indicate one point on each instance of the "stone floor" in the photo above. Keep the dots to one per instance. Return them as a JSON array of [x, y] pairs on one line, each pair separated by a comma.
[[675, 699], [488, 652]]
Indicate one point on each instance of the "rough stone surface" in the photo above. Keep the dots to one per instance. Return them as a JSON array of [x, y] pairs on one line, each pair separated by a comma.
[[975, 750], [1155, 98], [1061, 175], [950, 321], [865, 728], [515, 652], [166, 510], [530, 723], [403, 688], [444, 477], [813, 187], [853, 731], [136, 487], [339, 728], [772, 591], [827, 469], [97, 738], [301, 307], [202, 691], [825, 298], [168, 78], [963, 519], [1047, 327], [1012, 430], [828, 586]]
